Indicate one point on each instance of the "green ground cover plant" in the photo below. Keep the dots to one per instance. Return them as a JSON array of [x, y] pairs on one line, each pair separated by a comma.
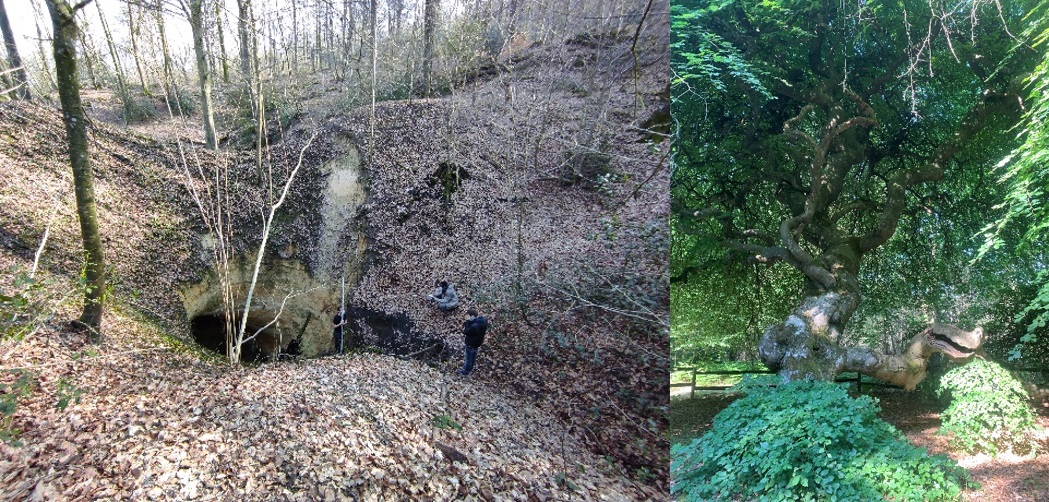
[[988, 410], [808, 441]]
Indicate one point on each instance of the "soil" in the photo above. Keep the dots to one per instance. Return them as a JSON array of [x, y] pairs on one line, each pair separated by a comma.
[[1007, 477]]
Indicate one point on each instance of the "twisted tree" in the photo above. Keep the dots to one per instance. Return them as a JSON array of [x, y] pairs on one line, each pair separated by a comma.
[[809, 129]]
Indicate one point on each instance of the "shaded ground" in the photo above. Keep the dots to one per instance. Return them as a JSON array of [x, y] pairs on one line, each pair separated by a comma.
[[1008, 477]]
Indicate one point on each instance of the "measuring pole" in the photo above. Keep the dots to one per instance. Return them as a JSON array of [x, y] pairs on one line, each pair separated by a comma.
[[342, 339]]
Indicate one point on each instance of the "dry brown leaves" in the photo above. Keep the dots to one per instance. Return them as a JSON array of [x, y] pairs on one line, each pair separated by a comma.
[[163, 426]]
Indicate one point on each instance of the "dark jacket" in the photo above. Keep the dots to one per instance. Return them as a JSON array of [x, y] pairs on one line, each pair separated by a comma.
[[474, 329], [336, 321]]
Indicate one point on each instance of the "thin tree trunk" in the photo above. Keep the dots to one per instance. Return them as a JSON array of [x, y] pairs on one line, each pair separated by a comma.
[[375, 67], [196, 23], [133, 32], [86, 44], [13, 59], [40, 46], [245, 29], [65, 35], [222, 42], [168, 78], [348, 33], [125, 96], [294, 37], [429, 27], [267, 225]]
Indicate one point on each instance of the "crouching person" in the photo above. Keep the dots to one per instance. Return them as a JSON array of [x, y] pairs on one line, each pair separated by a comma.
[[444, 296]]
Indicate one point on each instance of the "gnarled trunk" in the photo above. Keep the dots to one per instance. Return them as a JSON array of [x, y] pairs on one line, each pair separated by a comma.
[[805, 345]]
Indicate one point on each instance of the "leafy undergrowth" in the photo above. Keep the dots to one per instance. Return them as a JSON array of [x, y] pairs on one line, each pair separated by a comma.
[[1007, 477], [151, 422], [988, 409], [809, 441]]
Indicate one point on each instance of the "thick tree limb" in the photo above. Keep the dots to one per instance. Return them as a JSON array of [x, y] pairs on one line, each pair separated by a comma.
[[907, 369], [991, 106]]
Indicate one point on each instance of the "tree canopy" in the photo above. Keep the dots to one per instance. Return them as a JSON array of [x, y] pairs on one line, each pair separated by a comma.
[[843, 151]]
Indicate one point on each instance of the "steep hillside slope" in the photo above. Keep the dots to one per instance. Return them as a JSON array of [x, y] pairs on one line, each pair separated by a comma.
[[538, 189], [555, 227]]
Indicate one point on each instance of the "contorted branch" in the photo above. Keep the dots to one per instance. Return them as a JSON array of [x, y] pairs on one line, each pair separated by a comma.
[[992, 105], [825, 181], [907, 369]]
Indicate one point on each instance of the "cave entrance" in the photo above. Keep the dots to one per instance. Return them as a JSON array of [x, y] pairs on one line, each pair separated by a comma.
[[209, 331]]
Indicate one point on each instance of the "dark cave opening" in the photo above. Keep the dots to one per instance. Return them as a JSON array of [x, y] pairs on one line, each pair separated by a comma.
[[209, 331]]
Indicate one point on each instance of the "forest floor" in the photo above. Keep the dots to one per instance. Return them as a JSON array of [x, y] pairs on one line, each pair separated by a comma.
[[1008, 477], [147, 417]]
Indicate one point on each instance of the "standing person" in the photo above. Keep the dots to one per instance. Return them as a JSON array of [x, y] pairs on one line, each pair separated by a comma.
[[445, 296], [339, 321], [473, 331]]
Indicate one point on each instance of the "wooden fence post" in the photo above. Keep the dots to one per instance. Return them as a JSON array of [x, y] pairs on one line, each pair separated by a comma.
[[692, 393]]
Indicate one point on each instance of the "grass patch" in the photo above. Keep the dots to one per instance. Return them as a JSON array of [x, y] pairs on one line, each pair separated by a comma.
[[690, 418]]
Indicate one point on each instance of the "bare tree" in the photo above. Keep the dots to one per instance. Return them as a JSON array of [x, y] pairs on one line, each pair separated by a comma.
[[65, 35], [167, 78], [222, 42], [133, 30], [20, 79], [125, 96], [246, 32]]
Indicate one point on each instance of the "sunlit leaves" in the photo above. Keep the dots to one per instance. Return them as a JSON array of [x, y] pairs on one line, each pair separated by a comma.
[[1026, 172], [988, 409]]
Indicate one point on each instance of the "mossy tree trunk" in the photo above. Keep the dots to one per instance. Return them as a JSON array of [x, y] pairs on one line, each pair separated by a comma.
[[65, 35]]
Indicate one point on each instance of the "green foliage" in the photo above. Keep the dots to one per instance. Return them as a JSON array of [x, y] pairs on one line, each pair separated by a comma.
[[9, 395], [703, 61], [67, 392], [808, 441], [988, 409], [1026, 173], [25, 305], [446, 422], [562, 479], [136, 107]]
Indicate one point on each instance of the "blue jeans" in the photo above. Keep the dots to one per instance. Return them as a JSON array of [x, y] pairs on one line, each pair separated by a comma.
[[468, 363]]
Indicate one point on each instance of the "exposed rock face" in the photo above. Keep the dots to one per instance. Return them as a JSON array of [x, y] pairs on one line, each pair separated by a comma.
[[310, 272]]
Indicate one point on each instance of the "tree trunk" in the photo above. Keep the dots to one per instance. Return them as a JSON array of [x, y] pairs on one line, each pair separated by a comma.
[[91, 74], [12, 56], [133, 34], [429, 27], [245, 30], [125, 96], [40, 46], [294, 37], [168, 78], [805, 345], [222, 42], [196, 23], [65, 34]]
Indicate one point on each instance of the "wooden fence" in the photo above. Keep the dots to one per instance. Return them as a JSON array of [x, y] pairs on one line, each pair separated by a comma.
[[858, 379]]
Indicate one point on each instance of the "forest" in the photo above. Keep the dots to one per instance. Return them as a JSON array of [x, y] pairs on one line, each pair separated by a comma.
[[857, 261], [220, 221]]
